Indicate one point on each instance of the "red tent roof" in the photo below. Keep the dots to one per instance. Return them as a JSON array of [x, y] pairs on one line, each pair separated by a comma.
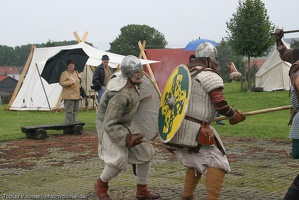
[[170, 59], [3, 77]]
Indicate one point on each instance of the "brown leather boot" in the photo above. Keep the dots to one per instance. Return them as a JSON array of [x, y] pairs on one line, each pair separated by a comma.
[[101, 189], [143, 194]]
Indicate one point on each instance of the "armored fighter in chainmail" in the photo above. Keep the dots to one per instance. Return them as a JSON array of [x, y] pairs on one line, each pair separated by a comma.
[[206, 98]]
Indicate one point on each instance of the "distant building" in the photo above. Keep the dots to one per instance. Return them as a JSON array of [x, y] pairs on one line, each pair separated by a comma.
[[7, 85], [11, 71]]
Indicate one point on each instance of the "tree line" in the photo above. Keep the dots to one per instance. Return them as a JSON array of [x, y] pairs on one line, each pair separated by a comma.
[[17, 56]]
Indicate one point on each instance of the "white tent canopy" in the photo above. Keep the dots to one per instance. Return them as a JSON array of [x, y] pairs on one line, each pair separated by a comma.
[[274, 73], [34, 93]]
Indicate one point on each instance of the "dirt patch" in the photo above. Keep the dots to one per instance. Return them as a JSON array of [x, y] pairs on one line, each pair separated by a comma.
[[69, 164], [25, 152]]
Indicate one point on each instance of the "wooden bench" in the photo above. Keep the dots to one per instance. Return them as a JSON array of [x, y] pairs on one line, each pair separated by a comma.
[[39, 131]]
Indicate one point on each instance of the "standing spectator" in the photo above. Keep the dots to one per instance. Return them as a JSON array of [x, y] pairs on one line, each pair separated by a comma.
[[119, 143], [101, 76], [70, 81]]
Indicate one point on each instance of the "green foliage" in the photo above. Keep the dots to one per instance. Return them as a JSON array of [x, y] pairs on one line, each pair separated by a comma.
[[249, 33], [127, 42], [250, 29], [8, 57], [294, 44], [50, 44], [226, 55], [22, 52]]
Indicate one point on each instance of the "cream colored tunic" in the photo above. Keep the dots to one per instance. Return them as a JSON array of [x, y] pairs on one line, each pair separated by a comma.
[[114, 120]]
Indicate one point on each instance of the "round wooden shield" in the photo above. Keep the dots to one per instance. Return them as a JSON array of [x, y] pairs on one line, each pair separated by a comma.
[[174, 102], [146, 119]]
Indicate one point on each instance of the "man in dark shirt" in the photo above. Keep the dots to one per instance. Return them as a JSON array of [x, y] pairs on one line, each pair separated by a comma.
[[101, 76]]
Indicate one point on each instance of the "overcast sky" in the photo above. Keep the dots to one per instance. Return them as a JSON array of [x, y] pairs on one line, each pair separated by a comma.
[[37, 21]]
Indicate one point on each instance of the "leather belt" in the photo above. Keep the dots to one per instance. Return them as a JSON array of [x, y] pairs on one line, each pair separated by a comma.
[[192, 119]]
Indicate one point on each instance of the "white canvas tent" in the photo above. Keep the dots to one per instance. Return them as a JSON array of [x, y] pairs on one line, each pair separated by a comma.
[[273, 74], [34, 93]]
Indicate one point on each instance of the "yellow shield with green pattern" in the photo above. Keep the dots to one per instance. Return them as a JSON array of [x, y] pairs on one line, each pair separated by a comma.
[[174, 102]]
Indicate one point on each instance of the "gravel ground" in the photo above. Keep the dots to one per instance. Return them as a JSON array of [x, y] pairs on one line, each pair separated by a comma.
[[67, 166]]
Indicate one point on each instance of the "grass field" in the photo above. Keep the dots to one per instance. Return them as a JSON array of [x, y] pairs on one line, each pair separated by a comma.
[[268, 125], [12, 121]]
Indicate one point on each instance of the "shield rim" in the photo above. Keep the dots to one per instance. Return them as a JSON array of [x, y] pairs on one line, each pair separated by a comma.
[[186, 105]]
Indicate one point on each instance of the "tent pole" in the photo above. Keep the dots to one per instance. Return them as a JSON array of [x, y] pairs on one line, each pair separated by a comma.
[[22, 77], [43, 85], [84, 36], [142, 53], [86, 90], [77, 37]]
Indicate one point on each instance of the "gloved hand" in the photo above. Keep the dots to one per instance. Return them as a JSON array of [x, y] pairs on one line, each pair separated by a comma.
[[236, 118], [134, 139], [278, 34]]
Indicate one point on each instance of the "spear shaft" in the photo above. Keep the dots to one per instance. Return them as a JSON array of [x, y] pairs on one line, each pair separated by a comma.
[[286, 32], [255, 112], [292, 31]]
